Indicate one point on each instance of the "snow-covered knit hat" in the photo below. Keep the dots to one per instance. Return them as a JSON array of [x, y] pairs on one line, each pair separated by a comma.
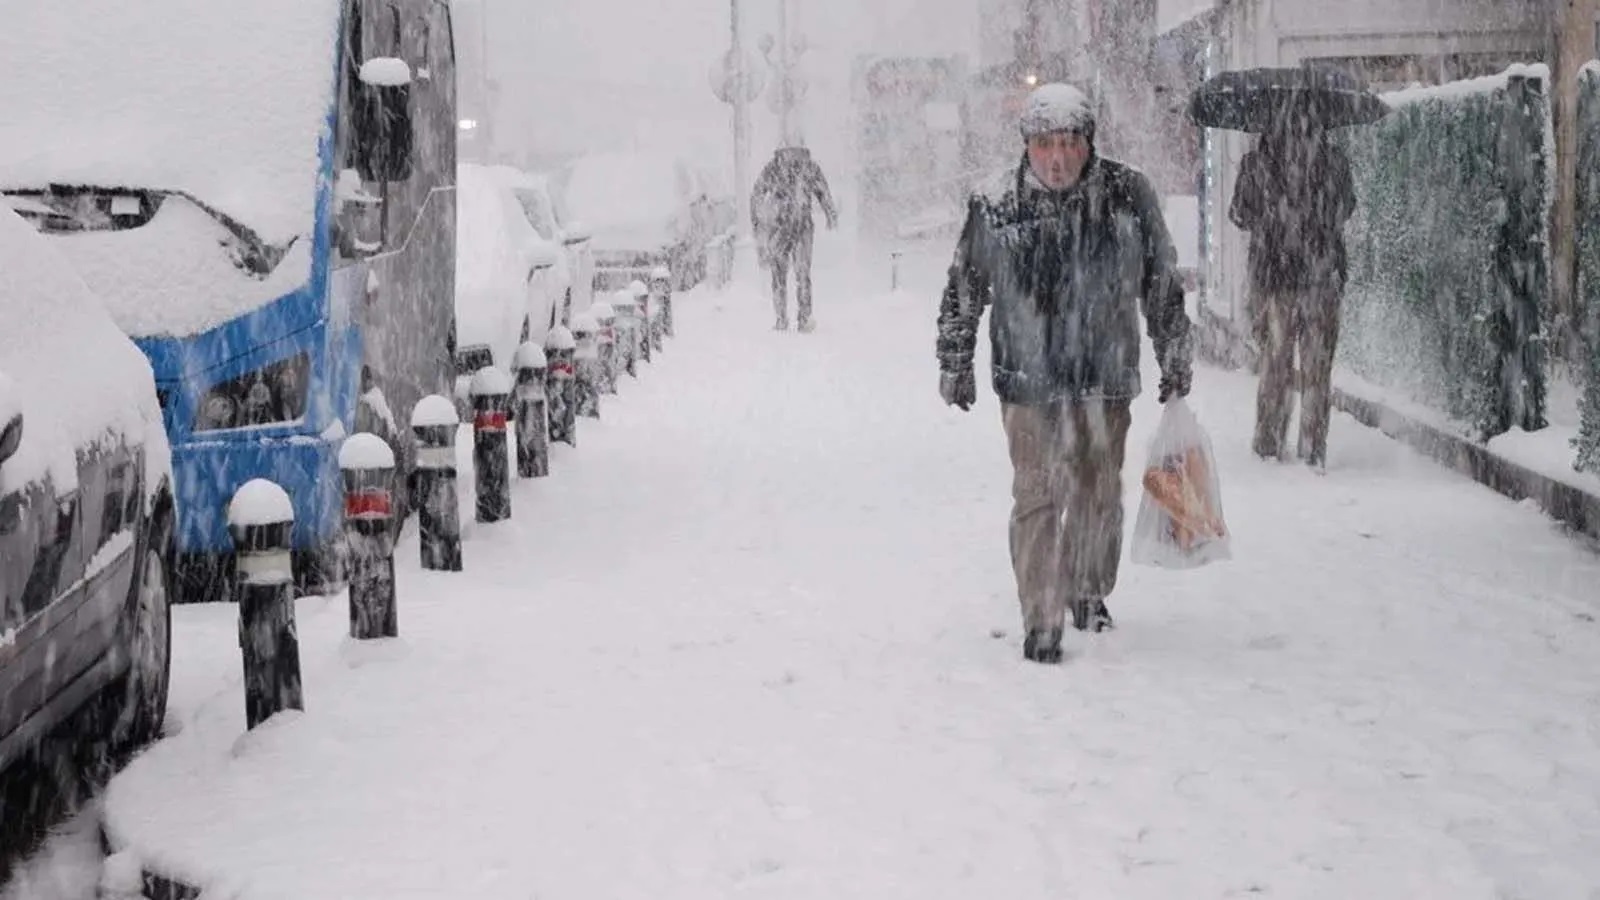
[[1057, 107]]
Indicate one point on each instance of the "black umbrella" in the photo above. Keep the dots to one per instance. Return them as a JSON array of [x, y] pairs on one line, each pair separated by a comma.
[[1261, 100]]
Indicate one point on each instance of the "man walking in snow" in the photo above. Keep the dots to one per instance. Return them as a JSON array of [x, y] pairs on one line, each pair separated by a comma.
[[1294, 194], [780, 210], [1065, 254]]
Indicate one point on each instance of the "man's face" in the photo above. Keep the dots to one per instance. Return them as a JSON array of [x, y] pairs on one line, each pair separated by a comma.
[[1058, 158]]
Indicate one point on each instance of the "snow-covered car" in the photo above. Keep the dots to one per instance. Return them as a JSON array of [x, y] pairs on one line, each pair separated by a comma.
[[573, 278], [644, 209], [502, 299], [86, 510]]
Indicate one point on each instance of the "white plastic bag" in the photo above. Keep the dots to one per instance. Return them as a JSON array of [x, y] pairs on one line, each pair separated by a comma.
[[1180, 524]]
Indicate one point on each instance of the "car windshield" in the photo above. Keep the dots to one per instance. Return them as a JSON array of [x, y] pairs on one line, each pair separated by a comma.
[[60, 209]]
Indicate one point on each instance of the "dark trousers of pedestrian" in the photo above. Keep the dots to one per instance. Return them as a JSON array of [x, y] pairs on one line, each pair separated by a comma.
[[1285, 321], [1066, 521], [792, 250]]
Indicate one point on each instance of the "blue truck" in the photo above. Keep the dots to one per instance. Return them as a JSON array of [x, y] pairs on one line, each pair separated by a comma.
[[263, 193]]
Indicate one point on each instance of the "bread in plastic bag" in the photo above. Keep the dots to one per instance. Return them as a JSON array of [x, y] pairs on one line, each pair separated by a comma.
[[1180, 523]]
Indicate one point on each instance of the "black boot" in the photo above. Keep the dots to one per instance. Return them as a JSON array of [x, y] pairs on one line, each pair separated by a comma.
[[1090, 614], [1042, 646]]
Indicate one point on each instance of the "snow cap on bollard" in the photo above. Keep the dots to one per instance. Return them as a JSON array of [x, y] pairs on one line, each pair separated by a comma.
[[602, 311], [530, 356], [586, 332], [260, 502], [661, 280], [637, 288], [261, 523], [367, 463], [434, 422], [491, 394], [365, 451], [434, 411], [560, 339], [490, 381]]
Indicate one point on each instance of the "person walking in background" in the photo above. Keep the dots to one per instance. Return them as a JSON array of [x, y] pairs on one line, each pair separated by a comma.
[[1065, 256], [1294, 195], [780, 211]]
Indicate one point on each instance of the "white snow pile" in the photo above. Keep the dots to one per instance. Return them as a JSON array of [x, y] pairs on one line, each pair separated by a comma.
[[226, 101], [432, 411], [365, 451], [386, 71], [260, 502], [1056, 107], [1456, 90], [65, 366], [603, 311]]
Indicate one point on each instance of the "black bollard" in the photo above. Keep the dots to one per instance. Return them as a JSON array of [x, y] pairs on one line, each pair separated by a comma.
[[586, 365], [367, 464], [641, 302], [606, 340], [261, 522], [627, 333], [661, 306], [560, 387], [528, 413], [491, 460], [434, 422]]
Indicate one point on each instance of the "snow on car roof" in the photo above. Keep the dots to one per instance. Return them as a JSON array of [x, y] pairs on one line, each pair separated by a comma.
[[64, 365], [226, 101]]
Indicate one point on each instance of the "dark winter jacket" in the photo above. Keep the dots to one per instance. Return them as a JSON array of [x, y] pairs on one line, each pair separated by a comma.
[[1294, 198], [1068, 273], [780, 204]]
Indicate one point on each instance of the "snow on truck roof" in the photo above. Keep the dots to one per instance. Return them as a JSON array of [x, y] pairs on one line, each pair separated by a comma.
[[224, 100]]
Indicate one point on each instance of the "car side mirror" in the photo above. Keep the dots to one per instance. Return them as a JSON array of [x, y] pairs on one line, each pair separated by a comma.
[[384, 138], [11, 438], [358, 217]]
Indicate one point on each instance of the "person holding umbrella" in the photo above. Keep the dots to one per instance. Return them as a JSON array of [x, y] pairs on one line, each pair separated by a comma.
[[1293, 195], [1065, 255]]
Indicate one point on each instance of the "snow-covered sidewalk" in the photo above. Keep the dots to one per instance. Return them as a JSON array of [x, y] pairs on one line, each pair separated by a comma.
[[742, 643]]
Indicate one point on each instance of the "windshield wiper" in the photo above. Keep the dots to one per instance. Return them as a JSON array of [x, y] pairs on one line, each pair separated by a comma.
[[257, 256]]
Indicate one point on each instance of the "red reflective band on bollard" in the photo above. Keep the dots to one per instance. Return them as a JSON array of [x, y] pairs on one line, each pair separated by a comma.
[[367, 505], [561, 368], [490, 421]]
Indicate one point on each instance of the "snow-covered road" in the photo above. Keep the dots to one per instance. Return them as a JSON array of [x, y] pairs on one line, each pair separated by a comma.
[[747, 641]]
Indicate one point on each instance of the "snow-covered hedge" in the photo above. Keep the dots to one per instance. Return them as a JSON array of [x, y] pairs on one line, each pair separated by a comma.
[[1588, 440], [1448, 292]]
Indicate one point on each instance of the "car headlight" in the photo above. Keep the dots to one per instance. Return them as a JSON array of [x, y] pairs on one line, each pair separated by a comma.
[[270, 395]]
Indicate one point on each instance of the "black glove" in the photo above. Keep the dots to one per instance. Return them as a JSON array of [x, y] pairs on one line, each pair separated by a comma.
[[1177, 380], [958, 389]]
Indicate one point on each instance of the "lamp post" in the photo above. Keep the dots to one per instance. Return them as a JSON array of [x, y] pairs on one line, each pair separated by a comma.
[[737, 83]]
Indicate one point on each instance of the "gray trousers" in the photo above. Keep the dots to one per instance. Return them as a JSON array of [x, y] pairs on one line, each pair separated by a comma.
[[792, 249], [1284, 321], [1066, 521]]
